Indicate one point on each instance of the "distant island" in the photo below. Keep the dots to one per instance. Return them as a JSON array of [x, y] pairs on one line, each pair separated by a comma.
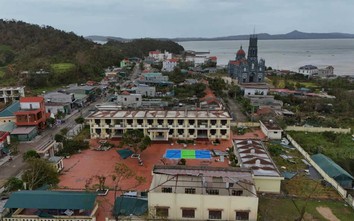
[[261, 36]]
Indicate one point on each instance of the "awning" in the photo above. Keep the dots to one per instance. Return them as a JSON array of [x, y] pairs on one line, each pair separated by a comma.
[[124, 206]]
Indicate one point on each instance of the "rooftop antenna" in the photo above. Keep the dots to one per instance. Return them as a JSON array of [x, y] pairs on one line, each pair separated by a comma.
[[254, 30]]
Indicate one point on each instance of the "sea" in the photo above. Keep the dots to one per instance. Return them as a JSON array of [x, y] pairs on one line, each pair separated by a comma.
[[286, 54]]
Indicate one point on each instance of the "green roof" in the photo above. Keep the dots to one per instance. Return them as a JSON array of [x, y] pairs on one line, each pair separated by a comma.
[[330, 167], [124, 206], [41, 199], [8, 127], [10, 110], [152, 74]]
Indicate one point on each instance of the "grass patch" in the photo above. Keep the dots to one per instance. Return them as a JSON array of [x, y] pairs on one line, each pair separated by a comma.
[[84, 134], [2, 71], [338, 147], [62, 67], [39, 91], [281, 83], [284, 209]]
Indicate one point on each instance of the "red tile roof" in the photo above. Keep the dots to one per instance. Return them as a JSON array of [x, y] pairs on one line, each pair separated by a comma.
[[172, 60], [125, 93], [213, 58], [31, 99], [154, 52]]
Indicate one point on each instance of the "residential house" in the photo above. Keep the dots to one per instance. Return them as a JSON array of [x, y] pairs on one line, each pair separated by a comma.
[[169, 65], [326, 72], [145, 90], [24, 133], [159, 56], [161, 125], [31, 113], [57, 162], [253, 155], [255, 89], [308, 70], [59, 97], [129, 100], [125, 62], [55, 108], [39, 205], [202, 193], [8, 114], [154, 77], [271, 129], [8, 94]]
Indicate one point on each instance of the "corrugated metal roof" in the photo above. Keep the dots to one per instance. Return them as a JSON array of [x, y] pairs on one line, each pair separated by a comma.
[[10, 110], [329, 166], [40, 199]]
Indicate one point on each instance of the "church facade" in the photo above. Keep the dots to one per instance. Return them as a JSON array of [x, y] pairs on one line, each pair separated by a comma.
[[248, 70]]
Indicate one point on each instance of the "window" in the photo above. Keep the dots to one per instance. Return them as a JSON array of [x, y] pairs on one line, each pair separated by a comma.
[[189, 190], [215, 214], [237, 192], [212, 191], [162, 211], [188, 213], [167, 189], [125, 99], [242, 215], [136, 99]]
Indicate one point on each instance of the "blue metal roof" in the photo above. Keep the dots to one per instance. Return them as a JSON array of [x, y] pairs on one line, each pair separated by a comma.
[[10, 110], [41, 199]]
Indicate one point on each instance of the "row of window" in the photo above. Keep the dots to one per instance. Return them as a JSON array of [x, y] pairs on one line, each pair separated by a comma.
[[161, 121], [213, 213], [209, 191]]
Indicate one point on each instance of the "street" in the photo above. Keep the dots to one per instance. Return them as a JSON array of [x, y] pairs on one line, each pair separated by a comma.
[[16, 165]]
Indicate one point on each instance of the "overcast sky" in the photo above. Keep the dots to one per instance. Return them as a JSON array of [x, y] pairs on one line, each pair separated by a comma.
[[183, 18]]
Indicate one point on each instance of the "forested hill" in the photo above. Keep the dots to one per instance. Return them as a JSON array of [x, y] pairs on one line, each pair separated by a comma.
[[28, 47]]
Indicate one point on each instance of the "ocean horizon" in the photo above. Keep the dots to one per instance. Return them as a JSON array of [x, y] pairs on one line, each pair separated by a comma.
[[286, 54]]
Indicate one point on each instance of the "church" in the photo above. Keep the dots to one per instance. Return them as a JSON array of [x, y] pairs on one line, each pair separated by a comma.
[[247, 70]]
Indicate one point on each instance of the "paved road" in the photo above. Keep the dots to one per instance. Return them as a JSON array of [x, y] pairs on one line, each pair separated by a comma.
[[235, 108], [15, 166]]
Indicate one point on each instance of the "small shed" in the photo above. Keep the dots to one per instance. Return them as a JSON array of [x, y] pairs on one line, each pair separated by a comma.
[[333, 170]]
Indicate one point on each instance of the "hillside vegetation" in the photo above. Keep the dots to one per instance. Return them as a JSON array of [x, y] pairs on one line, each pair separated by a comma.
[[67, 57]]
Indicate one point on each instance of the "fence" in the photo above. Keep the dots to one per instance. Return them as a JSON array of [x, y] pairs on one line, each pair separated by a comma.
[[325, 176], [248, 124], [318, 129]]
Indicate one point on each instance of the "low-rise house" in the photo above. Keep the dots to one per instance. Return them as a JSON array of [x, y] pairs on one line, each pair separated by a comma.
[[254, 89], [42, 205], [55, 108], [129, 100], [326, 72], [57, 162], [308, 70], [59, 97], [8, 114], [161, 125], [253, 155], [32, 112], [203, 193], [271, 129], [8, 94], [169, 65], [24, 133], [159, 56], [145, 90], [153, 76], [125, 62]]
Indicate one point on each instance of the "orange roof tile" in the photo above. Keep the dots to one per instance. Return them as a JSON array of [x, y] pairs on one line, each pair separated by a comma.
[[31, 99]]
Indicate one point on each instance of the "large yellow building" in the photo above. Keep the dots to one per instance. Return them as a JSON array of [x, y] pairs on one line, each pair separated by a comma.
[[202, 193], [161, 125]]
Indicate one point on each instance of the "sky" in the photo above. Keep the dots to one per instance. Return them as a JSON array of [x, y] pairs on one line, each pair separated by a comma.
[[183, 18]]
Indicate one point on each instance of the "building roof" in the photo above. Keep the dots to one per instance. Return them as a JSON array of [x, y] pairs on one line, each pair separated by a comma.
[[213, 58], [172, 60], [229, 174], [330, 167], [270, 125], [8, 127], [241, 51], [40, 199], [253, 155], [23, 130], [160, 114], [10, 110], [125, 206], [31, 99], [308, 67], [55, 159], [152, 74]]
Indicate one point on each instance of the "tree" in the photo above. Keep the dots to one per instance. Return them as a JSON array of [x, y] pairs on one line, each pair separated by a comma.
[[50, 121], [13, 184], [136, 140], [38, 173], [80, 120], [30, 154]]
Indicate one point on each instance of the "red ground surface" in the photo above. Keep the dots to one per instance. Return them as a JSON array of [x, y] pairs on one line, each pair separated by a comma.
[[80, 168]]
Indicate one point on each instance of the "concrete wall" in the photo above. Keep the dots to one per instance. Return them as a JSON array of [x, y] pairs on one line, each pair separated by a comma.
[[318, 129], [201, 203], [5, 120], [268, 184]]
